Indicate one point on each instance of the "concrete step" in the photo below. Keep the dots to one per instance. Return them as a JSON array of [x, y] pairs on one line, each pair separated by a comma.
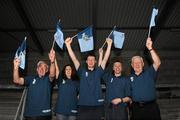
[[9, 101]]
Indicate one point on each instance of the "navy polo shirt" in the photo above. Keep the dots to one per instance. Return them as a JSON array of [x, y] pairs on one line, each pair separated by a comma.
[[38, 101], [143, 85], [67, 97], [90, 87], [116, 87]]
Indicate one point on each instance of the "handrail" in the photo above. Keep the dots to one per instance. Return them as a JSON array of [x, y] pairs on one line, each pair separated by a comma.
[[21, 105]]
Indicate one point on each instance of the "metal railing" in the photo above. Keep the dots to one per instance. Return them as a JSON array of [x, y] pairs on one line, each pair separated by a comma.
[[21, 106]]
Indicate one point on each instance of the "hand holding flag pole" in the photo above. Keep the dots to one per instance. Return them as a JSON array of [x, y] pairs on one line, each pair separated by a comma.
[[108, 37]]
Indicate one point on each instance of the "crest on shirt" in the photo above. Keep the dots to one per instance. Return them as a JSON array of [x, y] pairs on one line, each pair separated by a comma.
[[100, 100], [86, 74], [132, 79], [34, 81], [74, 111], [46, 111], [111, 80], [63, 82]]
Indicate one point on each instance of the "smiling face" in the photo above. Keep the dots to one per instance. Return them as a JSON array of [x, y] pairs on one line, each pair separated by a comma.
[[137, 64], [42, 68], [117, 68], [91, 61], [68, 71]]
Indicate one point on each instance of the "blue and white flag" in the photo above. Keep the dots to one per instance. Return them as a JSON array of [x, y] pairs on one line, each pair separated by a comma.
[[154, 14], [21, 54], [117, 38], [58, 36], [85, 39]]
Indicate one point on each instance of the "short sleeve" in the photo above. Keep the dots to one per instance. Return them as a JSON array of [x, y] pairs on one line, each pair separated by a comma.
[[152, 72], [100, 70], [80, 70], [27, 80]]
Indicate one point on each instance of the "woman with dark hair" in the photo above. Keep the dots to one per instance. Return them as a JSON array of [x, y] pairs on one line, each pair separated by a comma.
[[66, 105]]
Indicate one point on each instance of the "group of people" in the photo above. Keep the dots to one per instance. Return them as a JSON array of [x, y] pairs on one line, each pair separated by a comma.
[[80, 94]]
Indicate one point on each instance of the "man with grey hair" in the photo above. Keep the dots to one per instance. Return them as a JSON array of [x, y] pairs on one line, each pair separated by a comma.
[[144, 106], [38, 101]]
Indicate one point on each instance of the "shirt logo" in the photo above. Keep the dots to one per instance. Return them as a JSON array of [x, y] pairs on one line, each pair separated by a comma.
[[34, 81], [111, 80], [74, 111], [46, 111], [132, 79], [86, 74], [63, 82], [101, 100]]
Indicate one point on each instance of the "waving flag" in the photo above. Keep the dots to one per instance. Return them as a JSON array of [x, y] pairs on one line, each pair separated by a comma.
[[118, 38], [58, 36], [154, 13], [152, 22], [21, 54], [85, 39]]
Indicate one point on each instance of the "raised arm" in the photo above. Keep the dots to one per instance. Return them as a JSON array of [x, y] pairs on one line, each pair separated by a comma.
[[57, 69], [100, 56], [16, 78], [107, 54], [68, 42], [52, 70], [154, 55]]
